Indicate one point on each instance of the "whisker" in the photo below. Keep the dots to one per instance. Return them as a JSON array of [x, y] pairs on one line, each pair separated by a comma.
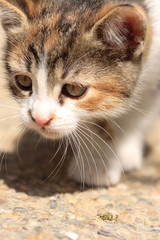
[[88, 139], [8, 106], [18, 142], [38, 142], [91, 156], [58, 149], [77, 145], [59, 165], [108, 146], [118, 126], [20, 50], [142, 111], [80, 58], [4, 119], [74, 154], [97, 125], [17, 126]]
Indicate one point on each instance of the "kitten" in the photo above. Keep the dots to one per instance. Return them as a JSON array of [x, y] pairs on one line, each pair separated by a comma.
[[87, 71]]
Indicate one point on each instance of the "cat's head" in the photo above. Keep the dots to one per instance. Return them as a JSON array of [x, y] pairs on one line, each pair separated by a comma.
[[67, 64]]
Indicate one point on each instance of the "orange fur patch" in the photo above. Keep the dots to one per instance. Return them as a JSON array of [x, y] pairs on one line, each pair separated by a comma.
[[95, 102], [50, 42], [103, 96], [54, 36], [104, 10], [34, 9]]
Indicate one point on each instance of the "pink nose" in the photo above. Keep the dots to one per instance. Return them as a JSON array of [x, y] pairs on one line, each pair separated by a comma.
[[42, 122]]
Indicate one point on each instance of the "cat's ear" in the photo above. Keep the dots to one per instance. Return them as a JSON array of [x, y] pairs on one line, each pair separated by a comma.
[[122, 29], [11, 17]]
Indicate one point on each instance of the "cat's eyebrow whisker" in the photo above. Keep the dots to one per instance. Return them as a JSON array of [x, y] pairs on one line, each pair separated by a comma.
[[15, 56], [20, 50], [2, 61], [80, 58]]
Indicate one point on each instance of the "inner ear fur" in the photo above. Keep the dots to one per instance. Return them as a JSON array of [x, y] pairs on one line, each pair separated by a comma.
[[11, 17], [123, 29]]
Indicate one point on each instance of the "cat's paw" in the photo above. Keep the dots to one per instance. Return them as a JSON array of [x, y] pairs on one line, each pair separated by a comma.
[[131, 155], [95, 175]]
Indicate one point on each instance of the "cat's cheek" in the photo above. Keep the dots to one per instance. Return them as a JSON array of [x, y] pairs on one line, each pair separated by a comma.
[[24, 113]]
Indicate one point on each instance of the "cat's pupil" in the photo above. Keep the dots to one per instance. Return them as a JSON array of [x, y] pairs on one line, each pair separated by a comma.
[[24, 82], [73, 91]]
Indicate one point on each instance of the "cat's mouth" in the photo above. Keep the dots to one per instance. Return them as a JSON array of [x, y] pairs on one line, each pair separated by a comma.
[[50, 133]]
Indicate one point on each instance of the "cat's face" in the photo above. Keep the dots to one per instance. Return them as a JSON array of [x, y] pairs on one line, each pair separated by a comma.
[[69, 64]]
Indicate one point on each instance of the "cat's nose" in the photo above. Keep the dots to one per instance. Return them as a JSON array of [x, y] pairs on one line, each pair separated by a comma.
[[42, 122]]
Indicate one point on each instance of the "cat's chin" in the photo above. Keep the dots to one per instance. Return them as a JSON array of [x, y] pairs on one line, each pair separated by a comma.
[[51, 134]]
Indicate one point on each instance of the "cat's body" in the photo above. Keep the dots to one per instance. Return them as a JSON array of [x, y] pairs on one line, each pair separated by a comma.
[[93, 74]]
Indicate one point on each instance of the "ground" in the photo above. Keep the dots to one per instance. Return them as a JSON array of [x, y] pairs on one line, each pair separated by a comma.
[[35, 208]]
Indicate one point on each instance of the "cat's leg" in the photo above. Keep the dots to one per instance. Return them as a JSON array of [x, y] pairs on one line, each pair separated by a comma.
[[131, 132], [95, 161], [130, 151]]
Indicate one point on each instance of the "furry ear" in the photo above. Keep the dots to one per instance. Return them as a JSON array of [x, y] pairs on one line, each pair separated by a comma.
[[123, 29], [11, 16]]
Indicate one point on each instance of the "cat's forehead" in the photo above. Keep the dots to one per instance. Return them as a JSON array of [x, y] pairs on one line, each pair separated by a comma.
[[55, 37]]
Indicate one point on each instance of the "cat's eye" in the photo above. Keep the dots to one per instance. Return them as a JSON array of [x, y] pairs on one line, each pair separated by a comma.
[[24, 82], [73, 90]]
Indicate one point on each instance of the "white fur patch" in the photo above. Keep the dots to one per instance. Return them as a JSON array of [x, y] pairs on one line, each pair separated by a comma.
[[42, 80]]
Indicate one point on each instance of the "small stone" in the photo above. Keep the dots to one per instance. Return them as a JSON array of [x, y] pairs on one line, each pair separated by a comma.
[[24, 220], [20, 209], [154, 219], [109, 206], [72, 222], [59, 235], [71, 235], [105, 233], [43, 220], [130, 226], [10, 221], [53, 204], [121, 207], [108, 197], [38, 229], [70, 216], [155, 230]]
